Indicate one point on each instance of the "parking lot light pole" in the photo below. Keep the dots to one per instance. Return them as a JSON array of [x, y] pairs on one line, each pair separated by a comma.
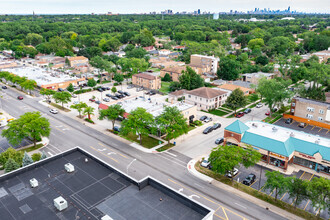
[[260, 177]]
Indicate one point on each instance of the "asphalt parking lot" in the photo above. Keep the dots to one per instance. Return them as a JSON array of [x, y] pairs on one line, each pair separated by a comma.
[[310, 129], [4, 145]]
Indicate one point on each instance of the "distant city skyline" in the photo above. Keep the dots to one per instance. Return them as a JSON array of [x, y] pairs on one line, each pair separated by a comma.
[[146, 6]]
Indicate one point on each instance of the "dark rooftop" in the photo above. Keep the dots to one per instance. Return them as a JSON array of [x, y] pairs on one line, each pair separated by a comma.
[[93, 190]]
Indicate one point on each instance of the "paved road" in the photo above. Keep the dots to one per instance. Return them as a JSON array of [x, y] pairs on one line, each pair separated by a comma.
[[167, 167]]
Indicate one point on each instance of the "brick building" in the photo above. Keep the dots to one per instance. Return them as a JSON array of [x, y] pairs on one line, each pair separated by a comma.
[[146, 81]]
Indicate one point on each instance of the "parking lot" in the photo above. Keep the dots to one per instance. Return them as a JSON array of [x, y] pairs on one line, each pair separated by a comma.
[[4, 145], [310, 129]]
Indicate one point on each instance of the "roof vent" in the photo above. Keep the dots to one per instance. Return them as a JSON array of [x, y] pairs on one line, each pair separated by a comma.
[[60, 203], [34, 183], [69, 167], [292, 134], [317, 141], [274, 129], [254, 125]]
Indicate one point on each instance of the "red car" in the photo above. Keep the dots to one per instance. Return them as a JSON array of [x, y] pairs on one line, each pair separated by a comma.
[[267, 113], [92, 100], [240, 114], [20, 97]]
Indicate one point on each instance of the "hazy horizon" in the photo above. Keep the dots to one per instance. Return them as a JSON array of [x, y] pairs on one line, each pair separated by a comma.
[[146, 6]]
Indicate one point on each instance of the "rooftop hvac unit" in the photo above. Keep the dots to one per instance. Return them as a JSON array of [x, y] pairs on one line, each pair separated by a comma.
[[34, 183], [292, 134], [106, 217], [69, 167], [254, 125], [60, 203], [317, 141], [274, 129]]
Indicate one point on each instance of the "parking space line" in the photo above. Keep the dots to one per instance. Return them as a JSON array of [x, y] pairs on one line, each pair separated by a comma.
[[307, 204], [219, 216], [313, 127], [254, 183], [262, 187], [225, 213], [320, 129], [317, 212]]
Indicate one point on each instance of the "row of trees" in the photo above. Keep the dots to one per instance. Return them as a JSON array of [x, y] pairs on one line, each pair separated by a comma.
[[317, 190], [23, 82]]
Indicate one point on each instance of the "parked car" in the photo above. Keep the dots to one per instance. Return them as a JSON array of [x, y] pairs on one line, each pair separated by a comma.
[[108, 95], [98, 102], [219, 141], [116, 128], [288, 121], [106, 99], [302, 125], [60, 90], [108, 88], [130, 87], [121, 92], [207, 119], [127, 94], [74, 96], [20, 97], [267, 113], [231, 175], [240, 114], [53, 111], [249, 179], [259, 105], [205, 163], [203, 118], [120, 96], [92, 100], [247, 111], [4, 87], [208, 130], [114, 97], [100, 90], [216, 126]]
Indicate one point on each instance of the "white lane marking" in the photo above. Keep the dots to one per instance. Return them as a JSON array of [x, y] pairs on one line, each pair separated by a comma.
[[240, 205], [56, 148], [129, 165], [102, 149], [191, 197], [180, 190], [50, 153], [111, 153], [171, 160], [171, 154], [199, 185]]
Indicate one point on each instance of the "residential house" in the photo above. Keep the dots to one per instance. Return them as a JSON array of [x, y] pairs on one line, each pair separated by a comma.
[[254, 77], [179, 47], [206, 98], [323, 55], [179, 94], [174, 71], [80, 60], [204, 64], [162, 62], [147, 81], [164, 52], [150, 48], [231, 87], [311, 110]]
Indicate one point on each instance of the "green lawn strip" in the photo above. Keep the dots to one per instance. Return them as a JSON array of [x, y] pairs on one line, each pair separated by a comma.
[[218, 112], [255, 193], [165, 147], [253, 105], [224, 110], [32, 148], [147, 142], [191, 128], [226, 106], [165, 87], [59, 107]]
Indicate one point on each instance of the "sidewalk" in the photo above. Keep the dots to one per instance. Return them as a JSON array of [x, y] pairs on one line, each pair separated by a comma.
[[252, 199], [238, 110]]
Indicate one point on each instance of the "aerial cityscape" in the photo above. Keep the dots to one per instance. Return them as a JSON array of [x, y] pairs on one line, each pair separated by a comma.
[[186, 110]]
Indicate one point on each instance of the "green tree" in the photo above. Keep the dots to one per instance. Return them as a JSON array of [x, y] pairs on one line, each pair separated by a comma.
[[29, 85], [114, 90], [47, 92], [26, 159], [138, 122], [256, 43], [70, 88], [91, 82], [33, 39], [11, 165], [174, 86], [319, 193], [167, 78], [36, 156], [172, 123], [17, 156], [297, 190], [228, 69], [79, 107], [276, 182], [236, 100], [62, 97], [280, 45], [119, 78], [111, 113], [89, 111], [43, 155], [190, 80]]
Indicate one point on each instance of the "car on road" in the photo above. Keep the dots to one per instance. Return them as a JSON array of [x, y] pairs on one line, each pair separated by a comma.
[[205, 163], [249, 179], [247, 111], [98, 102], [259, 105], [288, 121], [92, 100], [302, 125], [106, 99], [207, 119], [203, 118], [240, 114], [53, 111], [219, 141], [231, 175], [20, 97], [208, 130], [116, 128], [4, 87], [216, 126]]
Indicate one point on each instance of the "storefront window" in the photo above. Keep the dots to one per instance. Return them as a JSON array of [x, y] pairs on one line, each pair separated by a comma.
[[277, 162], [304, 162], [264, 158], [323, 168]]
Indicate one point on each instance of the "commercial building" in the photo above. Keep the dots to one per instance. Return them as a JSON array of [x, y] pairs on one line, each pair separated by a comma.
[[281, 147], [174, 71], [76, 61], [78, 185], [206, 98], [307, 110], [147, 81], [204, 64]]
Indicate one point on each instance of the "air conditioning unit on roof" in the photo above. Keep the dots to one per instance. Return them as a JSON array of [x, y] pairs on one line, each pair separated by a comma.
[[69, 167]]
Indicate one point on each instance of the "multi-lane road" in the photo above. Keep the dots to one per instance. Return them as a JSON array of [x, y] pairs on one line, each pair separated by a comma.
[[169, 168]]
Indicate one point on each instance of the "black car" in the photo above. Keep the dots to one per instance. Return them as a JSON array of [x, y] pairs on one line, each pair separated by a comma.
[[60, 90], [216, 126], [121, 92], [208, 130], [203, 118], [4, 87], [288, 121], [108, 88], [152, 93], [114, 97], [100, 90], [127, 94], [119, 96], [108, 95], [98, 102], [103, 88], [249, 179], [219, 141], [248, 110], [116, 128]]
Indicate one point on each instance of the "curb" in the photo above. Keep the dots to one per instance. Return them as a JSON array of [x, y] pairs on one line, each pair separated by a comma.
[[193, 171]]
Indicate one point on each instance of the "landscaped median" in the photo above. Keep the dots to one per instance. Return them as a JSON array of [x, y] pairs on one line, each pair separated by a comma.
[[253, 192]]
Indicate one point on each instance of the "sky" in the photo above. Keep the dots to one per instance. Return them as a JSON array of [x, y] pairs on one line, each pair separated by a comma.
[[145, 6]]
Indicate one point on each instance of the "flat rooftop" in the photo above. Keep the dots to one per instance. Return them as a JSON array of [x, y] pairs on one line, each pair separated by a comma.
[[40, 75], [92, 191]]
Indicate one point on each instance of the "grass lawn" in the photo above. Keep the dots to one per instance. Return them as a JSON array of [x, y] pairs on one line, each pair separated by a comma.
[[218, 112], [59, 107], [165, 87], [224, 109], [147, 142], [29, 149], [165, 147], [226, 106], [191, 128]]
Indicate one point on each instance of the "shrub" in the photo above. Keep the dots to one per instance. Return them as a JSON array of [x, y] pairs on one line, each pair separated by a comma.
[[115, 84], [36, 157], [89, 120], [82, 91]]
